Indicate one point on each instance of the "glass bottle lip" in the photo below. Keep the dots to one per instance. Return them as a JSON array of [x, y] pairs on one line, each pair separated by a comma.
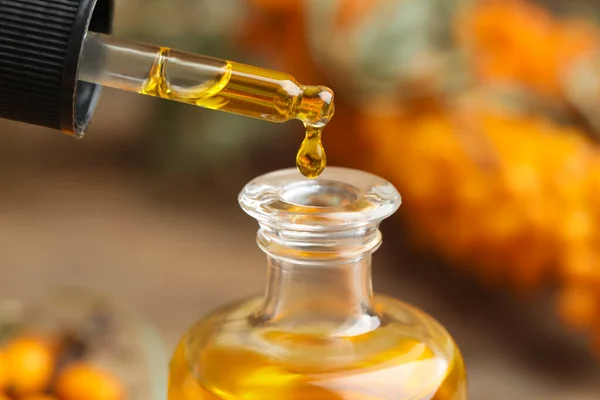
[[339, 199]]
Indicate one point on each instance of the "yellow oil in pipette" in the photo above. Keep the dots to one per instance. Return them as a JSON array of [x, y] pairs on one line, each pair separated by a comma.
[[253, 92]]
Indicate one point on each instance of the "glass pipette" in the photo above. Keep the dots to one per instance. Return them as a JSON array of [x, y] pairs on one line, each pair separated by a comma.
[[202, 81]]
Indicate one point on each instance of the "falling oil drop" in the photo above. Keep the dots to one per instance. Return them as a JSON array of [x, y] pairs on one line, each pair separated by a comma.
[[311, 159]]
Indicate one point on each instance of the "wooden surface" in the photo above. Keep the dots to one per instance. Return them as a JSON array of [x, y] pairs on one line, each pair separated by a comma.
[[176, 260]]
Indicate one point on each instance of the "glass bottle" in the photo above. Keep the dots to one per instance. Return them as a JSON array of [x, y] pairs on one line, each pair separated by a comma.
[[319, 333]]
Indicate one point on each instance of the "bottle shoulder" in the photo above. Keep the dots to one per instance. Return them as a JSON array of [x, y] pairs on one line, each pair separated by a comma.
[[232, 326]]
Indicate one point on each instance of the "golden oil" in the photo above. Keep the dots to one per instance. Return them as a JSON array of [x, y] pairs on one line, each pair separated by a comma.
[[311, 159], [246, 90], [238, 361]]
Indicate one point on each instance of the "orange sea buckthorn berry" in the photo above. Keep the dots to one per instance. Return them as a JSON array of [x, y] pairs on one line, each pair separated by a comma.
[[29, 364], [85, 382]]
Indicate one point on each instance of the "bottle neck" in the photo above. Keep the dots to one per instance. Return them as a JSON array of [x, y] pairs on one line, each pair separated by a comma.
[[332, 297], [319, 235]]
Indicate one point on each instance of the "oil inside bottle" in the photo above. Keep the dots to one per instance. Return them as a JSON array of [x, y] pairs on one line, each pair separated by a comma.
[[389, 363], [245, 90]]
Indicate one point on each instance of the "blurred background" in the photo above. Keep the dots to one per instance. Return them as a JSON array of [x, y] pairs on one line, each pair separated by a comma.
[[482, 112]]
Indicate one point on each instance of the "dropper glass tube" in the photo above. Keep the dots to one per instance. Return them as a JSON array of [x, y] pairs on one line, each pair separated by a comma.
[[211, 83]]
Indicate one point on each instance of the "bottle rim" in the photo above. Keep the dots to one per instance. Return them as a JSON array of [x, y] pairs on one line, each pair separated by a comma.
[[339, 199]]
